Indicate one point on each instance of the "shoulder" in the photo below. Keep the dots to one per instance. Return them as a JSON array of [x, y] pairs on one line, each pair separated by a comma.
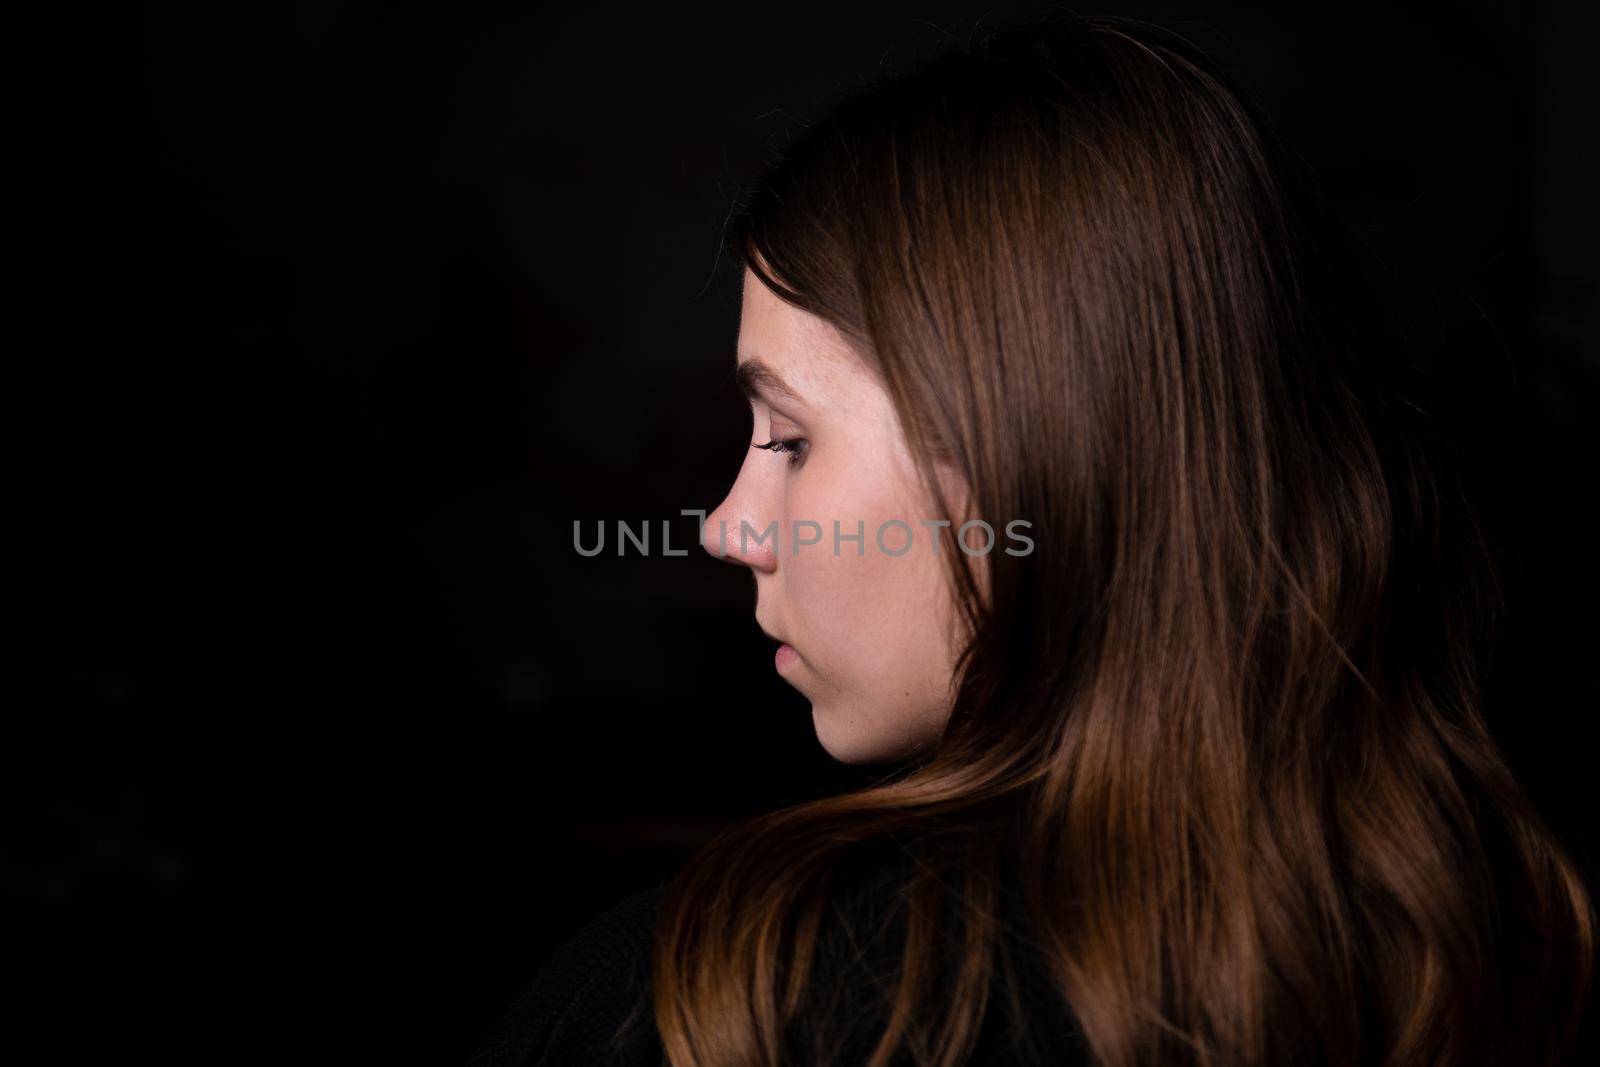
[[1026, 1019], [590, 1001]]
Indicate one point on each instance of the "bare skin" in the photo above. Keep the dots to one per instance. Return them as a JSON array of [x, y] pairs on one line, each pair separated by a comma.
[[870, 630]]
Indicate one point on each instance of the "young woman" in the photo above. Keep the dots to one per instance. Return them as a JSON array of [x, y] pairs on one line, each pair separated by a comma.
[[1198, 775]]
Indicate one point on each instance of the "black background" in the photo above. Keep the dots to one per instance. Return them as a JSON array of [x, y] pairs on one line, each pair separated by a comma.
[[332, 319]]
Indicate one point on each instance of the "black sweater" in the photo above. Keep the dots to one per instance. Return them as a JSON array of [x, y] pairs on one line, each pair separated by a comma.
[[590, 1005]]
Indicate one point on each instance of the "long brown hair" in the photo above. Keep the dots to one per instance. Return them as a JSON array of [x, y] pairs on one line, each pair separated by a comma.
[[1222, 728]]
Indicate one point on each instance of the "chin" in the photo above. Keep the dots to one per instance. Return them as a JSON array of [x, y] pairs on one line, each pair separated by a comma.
[[851, 737]]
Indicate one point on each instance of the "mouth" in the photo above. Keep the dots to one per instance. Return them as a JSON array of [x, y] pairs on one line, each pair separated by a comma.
[[785, 656]]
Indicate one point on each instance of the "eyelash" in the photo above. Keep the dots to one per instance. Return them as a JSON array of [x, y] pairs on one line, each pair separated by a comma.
[[792, 445]]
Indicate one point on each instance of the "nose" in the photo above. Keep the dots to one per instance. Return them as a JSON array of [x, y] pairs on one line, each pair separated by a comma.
[[744, 527]]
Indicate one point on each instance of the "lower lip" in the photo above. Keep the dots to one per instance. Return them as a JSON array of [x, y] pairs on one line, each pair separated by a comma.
[[785, 657]]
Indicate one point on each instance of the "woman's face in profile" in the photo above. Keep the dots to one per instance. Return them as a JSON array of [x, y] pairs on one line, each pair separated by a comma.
[[867, 621]]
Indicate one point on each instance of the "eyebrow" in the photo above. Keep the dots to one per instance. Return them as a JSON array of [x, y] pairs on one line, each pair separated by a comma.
[[757, 381]]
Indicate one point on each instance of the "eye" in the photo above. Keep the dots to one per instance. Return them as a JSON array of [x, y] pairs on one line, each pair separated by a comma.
[[795, 446]]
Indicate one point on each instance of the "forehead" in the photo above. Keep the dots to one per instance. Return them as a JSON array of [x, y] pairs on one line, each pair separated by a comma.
[[807, 351]]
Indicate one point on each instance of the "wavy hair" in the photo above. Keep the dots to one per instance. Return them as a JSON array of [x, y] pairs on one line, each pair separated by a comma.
[[1222, 731]]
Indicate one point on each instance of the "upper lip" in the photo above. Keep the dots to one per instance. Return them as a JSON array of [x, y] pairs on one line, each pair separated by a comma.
[[772, 635]]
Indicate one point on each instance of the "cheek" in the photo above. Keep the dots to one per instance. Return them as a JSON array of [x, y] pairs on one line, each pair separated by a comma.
[[871, 624]]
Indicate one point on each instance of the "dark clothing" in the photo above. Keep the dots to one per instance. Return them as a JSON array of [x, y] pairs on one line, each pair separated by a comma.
[[589, 1005], [593, 989]]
